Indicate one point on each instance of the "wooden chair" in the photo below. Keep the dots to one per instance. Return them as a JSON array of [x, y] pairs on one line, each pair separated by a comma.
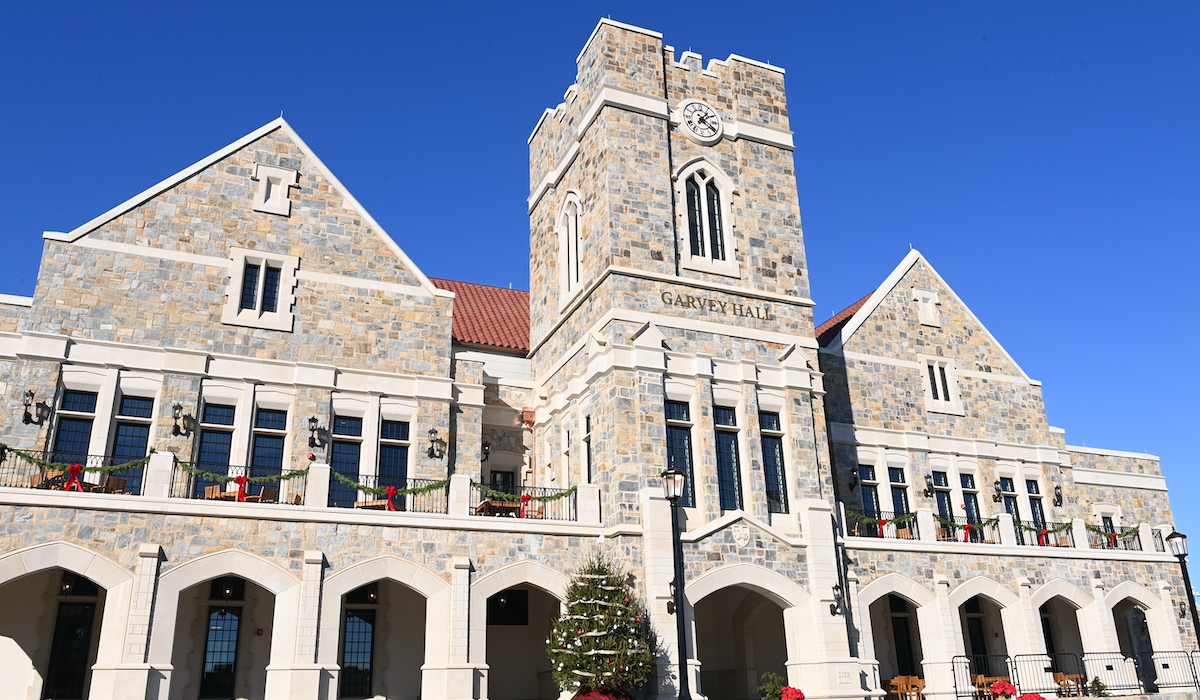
[[49, 479], [536, 512], [1070, 685], [113, 484], [214, 492], [266, 495], [907, 688], [904, 533], [945, 534]]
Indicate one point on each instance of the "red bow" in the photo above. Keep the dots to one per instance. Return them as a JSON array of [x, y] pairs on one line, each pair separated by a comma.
[[241, 482], [1042, 538], [391, 493], [525, 499], [74, 482], [967, 532], [881, 524], [1112, 540]]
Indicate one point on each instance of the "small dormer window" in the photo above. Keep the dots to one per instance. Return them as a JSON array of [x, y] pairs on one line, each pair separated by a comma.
[[927, 307], [261, 290], [274, 184]]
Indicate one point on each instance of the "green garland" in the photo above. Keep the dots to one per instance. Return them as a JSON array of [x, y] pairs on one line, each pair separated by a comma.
[[1106, 534], [955, 526], [1049, 530], [415, 491], [875, 521], [225, 478], [63, 467], [492, 493]]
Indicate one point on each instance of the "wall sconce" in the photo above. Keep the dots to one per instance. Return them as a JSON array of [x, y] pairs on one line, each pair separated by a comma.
[[27, 401], [928, 492], [486, 453], [837, 607], [176, 414], [998, 495], [1183, 610], [313, 427], [853, 481], [437, 446], [1058, 498]]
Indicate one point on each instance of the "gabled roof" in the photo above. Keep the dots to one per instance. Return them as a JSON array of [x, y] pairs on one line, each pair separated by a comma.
[[828, 331], [203, 163], [491, 316], [837, 331]]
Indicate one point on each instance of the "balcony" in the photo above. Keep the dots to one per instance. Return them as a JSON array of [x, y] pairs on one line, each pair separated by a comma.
[[1049, 534], [410, 495], [881, 524], [1125, 538], [964, 529], [525, 502], [51, 471], [218, 482]]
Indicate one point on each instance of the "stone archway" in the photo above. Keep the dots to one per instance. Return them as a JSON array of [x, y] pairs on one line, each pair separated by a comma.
[[739, 637]]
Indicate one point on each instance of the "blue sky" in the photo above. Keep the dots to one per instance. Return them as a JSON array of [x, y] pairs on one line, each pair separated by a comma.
[[1043, 156]]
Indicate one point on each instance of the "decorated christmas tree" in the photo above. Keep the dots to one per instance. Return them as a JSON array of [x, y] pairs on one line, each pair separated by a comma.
[[601, 646]]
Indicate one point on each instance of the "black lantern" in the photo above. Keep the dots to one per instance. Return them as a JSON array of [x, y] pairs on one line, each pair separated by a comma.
[[674, 486], [27, 401], [1058, 497], [674, 483], [176, 414], [437, 446], [313, 426], [1177, 543], [928, 492]]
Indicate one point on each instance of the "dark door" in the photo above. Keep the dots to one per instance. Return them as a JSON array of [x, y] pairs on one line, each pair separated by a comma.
[[978, 642], [220, 653], [902, 636], [69, 651]]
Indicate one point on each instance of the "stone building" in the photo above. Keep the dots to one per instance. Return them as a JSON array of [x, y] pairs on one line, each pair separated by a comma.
[[878, 502]]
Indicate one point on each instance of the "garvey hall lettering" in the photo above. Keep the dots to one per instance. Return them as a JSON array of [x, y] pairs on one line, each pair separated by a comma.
[[716, 306]]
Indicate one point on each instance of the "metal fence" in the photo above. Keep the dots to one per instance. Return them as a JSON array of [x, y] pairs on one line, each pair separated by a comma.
[[1035, 534], [1118, 538], [885, 527], [1075, 675], [978, 532], [1158, 541], [435, 500], [198, 486], [16, 471], [558, 504]]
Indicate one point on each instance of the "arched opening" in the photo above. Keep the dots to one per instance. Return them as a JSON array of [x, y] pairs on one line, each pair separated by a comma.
[[1060, 627], [983, 639], [49, 634], [382, 642], [223, 630], [897, 637], [739, 637], [518, 625], [1133, 636]]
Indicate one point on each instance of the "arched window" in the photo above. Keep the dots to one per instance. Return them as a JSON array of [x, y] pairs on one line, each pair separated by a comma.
[[706, 195], [568, 242]]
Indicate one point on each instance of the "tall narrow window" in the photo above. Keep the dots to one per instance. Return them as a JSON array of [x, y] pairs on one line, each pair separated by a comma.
[[679, 446], [72, 640], [214, 443], [899, 491], [131, 438], [343, 458], [266, 453], [940, 386], [393, 455], [1008, 494], [76, 413], [587, 449], [250, 286], [270, 302], [1035, 502], [716, 233], [970, 497], [941, 486], [773, 470], [220, 652], [695, 219], [729, 478], [868, 490], [706, 195], [569, 244], [357, 653]]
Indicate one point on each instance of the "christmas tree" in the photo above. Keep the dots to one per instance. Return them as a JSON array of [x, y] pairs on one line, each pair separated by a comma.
[[602, 644]]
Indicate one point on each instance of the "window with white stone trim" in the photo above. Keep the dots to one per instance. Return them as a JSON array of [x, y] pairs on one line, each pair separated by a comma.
[[706, 243], [274, 186], [261, 290], [570, 275], [941, 385], [927, 307]]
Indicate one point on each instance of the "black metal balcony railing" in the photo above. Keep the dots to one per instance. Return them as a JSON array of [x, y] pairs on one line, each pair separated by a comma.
[[561, 507], [1117, 538], [881, 523], [15, 471], [979, 532], [198, 486], [1030, 533], [434, 500], [1158, 541]]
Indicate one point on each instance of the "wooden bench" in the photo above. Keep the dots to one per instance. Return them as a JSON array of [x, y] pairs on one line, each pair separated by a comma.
[[906, 688]]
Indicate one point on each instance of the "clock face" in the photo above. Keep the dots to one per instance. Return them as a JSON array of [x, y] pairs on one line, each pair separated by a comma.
[[702, 120]]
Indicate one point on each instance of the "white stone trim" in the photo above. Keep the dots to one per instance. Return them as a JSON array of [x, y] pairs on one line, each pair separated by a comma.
[[1004, 552], [526, 572], [63, 555], [897, 584], [845, 433], [1110, 453], [15, 300], [772, 585], [282, 318], [1061, 588], [274, 188], [981, 585], [730, 266], [1129, 480], [951, 405]]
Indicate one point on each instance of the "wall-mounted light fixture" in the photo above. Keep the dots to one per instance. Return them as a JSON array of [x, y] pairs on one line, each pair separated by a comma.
[[486, 452], [1058, 497], [437, 446], [313, 426], [837, 607], [928, 492], [27, 401], [853, 481], [998, 495], [176, 414]]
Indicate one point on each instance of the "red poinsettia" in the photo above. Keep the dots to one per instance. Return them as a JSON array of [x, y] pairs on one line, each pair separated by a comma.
[[790, 693], [1003, 689], [1030, 696]]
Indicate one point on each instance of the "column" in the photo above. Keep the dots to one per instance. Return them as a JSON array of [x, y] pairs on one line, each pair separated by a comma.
[[659, 565], [293, 673], [121, 671], [448, 673], [941, 641]]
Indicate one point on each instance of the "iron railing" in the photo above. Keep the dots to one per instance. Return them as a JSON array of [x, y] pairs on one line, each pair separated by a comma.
[[1158, 541], [1033, 535], [1050, 675], [974, 675], [18, 472], [886, 528], [1076, 675], [431, 501], [513, 505], [197, 486], [1123, 539], [978, 532]]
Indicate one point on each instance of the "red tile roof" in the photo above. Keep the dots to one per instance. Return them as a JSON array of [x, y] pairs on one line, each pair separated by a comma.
[[486, 315], [827, 331]]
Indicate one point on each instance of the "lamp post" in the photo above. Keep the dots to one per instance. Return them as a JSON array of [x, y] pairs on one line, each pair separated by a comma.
[[1177, 542], [674, 483]]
